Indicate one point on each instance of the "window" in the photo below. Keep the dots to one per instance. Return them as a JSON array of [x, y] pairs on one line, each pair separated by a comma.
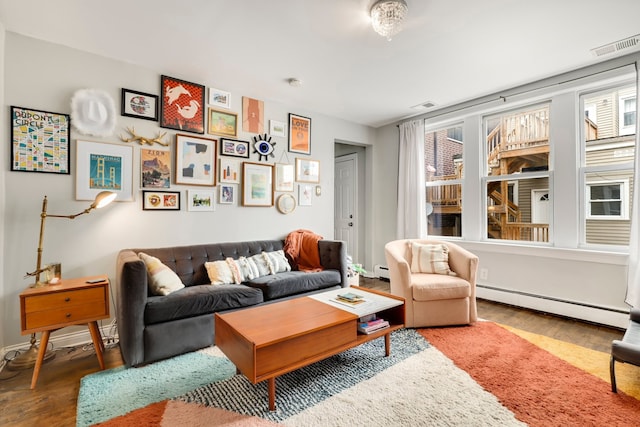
[[605, 200], [444, 173], [516, 176], [606, 173]]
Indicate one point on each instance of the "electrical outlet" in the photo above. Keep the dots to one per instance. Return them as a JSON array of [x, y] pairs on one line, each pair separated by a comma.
[[484, 273]]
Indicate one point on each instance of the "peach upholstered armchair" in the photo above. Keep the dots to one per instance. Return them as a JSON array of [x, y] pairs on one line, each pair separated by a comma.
[[433, 299]]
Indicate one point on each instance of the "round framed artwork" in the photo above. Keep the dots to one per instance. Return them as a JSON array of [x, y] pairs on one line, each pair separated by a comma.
[[286, 203]]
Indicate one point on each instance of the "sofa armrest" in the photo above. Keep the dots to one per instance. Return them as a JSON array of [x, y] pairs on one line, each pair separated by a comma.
[[333, 255], [131, 297]]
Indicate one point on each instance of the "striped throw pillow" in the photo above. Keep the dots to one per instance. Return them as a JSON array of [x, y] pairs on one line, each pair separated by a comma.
[[162, 279], [430, 258]]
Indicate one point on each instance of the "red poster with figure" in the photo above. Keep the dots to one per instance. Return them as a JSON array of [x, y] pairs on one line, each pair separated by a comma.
[[182, 106]]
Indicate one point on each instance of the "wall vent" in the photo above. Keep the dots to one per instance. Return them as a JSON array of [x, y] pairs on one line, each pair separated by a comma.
[[624, 44], [381, 271]]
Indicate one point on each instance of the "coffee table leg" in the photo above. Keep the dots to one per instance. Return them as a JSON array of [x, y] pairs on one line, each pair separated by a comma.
[[387, 344], [272, 394]]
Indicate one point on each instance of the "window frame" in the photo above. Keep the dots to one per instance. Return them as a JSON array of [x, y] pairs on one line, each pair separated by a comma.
[[624, 201]]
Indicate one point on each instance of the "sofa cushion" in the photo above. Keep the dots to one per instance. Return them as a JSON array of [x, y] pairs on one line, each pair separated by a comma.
[[430, 258], [162, 280], [432, 287], [294, 282], [196, 300]]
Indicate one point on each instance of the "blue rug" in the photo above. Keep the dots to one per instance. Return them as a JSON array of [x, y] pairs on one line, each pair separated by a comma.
[[107, 394]]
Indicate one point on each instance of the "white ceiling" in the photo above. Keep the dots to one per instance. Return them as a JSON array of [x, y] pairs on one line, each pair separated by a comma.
[[449, 51]]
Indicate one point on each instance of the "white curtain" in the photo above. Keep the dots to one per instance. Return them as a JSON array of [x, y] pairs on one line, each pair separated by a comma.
[[633, 275], [412, 218]]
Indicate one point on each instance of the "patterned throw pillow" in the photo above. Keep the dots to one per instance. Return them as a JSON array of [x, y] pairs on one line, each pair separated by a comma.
[[426, 258], [247, 269], [279, 261], [262, 263], [162, 279], [223, 272]]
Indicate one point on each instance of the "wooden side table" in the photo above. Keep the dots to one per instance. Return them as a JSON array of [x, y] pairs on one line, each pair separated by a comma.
[[69, 302]]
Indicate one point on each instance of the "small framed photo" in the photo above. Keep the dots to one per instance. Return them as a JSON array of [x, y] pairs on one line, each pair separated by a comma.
[[227, 194], [235, 148], [307, 170], [195, 160], [284, 177], [299, 134], [277, 128], [257, 184], [160, 200], [222, 123], [201, 200], [182, 105], [305, 194], [155, 168], [101, 167], [219, 98], [229, 170], [139, 105], [40, 141]]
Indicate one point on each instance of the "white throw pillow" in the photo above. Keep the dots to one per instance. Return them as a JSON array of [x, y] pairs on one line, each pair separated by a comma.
[[263, 264], [162, 279], [279, 261], [222, 272], [247, 269], [430, 258]]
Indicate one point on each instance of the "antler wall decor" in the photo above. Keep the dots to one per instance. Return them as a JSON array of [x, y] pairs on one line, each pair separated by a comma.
[[142, 140]]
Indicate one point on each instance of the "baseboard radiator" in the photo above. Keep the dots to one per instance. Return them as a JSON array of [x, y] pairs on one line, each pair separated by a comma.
[[381, 272], [610, 316]]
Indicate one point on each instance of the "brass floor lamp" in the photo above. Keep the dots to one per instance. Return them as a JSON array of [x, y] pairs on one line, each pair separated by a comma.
[[28, 358]]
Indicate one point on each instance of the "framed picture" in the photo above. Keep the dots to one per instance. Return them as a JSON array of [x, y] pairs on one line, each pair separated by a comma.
[[195, 160], [286, 203], [284, 177], [139, 105], [299, 134], [277, 128], [39, 141], [307, 170], [155, 168], [229, 170], [160, 200], [222, 123], [201, 200], [252, 115], [233, 147], [227, 194], [219, 98], [257, 184], [182, 105], [305, 194], [102, 167]]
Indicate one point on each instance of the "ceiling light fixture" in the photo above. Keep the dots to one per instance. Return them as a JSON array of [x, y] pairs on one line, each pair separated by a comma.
[[387, 17], [294, 82]]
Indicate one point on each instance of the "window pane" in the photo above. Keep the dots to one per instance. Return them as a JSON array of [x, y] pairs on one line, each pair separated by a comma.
[[525, 213], [444, 170], [606, 208], [605, 192], [444, 210], [518, 141]]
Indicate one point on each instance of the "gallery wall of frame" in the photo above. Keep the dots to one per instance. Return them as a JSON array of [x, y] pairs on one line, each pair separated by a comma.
[[207, 154]]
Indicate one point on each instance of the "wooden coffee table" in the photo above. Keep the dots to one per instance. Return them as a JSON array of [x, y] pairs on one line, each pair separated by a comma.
[[268, 341]]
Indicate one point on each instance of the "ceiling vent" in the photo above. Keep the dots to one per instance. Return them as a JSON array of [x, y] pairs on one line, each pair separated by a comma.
[[624, 44], [424, 105]]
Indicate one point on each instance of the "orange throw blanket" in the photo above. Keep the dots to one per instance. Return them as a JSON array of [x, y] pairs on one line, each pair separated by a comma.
[[301, 246]]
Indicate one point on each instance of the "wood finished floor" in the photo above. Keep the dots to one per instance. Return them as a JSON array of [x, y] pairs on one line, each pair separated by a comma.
[[53, 402]]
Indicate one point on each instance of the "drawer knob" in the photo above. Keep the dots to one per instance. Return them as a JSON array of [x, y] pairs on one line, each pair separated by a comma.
[[68, 315], [67, 299]]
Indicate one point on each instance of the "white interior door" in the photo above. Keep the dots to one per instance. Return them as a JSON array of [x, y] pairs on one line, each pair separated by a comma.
[[346, 197]]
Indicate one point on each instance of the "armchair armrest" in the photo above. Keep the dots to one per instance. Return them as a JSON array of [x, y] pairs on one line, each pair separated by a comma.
[[131, 297], [463, 263], [399, 269], [333, 255]]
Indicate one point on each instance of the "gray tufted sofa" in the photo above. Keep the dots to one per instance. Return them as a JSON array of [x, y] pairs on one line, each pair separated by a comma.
[[152, 327]]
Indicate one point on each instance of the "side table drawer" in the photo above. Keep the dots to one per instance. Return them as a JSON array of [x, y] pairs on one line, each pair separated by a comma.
[[46, 319], [63, 299]]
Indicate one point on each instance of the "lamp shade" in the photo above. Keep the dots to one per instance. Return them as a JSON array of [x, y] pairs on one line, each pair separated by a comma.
[[103, 199]]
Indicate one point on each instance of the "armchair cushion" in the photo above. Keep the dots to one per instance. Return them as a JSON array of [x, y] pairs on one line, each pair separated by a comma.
[[430, 258], [427, 287]]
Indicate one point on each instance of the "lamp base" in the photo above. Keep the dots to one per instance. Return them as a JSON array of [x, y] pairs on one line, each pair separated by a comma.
[[28, 359]]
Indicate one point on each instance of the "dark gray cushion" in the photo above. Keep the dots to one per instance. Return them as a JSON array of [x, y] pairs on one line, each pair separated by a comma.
[[197, 300], [294, 282]]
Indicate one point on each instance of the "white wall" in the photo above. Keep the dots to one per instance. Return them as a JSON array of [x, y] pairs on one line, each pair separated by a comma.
[[44, 76]]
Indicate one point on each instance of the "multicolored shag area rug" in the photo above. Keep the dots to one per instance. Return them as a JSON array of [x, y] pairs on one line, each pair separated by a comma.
[[478, 375]]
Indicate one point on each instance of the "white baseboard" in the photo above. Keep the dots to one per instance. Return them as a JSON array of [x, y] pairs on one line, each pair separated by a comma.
[[600, 315], [72, 339]]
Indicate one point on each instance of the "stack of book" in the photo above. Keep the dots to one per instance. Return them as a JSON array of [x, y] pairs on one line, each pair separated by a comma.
[[350, 299], [372, 325]]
